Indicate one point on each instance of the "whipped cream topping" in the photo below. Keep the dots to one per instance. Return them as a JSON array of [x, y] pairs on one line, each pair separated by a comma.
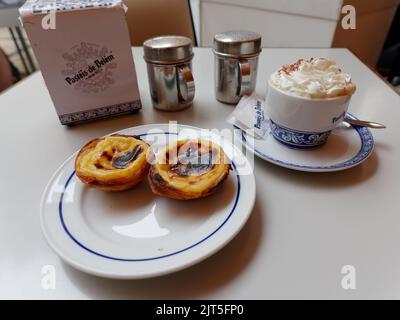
[[313, 78]]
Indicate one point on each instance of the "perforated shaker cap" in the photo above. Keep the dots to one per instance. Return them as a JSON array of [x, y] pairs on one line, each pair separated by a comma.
[[168, 49], [237, 43]]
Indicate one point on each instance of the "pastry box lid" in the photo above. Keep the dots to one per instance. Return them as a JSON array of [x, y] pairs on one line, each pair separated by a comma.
[[32, 7]]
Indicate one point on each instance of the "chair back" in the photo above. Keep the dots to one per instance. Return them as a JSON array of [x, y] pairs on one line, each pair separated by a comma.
[[150, 18]]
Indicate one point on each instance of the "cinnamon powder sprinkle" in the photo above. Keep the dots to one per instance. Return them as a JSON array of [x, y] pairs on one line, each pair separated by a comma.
[[289, 68]]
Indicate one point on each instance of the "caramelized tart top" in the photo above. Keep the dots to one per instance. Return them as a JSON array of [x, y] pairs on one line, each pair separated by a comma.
[[112, 157], [192, 165]]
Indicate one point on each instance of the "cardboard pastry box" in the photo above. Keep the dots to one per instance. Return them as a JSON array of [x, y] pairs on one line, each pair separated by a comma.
[[85, 56]]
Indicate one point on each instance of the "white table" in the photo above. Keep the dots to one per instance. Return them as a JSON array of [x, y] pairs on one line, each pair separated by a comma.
[[303, 229]]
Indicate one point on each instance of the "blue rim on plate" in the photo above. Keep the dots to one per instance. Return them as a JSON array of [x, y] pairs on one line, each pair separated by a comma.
[[367, 145], [80, 244]]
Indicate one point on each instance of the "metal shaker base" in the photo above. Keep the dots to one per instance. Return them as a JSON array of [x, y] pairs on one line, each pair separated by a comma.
[[173, 110], [228, 102]]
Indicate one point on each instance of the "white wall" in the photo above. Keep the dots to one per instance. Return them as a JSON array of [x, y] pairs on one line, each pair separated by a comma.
[[284, 23]]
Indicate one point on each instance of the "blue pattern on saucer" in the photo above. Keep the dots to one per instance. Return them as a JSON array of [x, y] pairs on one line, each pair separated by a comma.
[[367, 145]]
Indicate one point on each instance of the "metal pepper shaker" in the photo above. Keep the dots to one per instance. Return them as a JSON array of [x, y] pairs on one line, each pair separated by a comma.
[[169, 70], [236, 59]]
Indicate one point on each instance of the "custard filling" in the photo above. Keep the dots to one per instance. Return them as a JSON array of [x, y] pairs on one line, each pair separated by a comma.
[[192, 165], [114, 157]]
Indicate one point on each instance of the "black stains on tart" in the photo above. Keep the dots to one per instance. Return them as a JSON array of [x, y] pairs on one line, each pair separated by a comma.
[[191, 169], [123, 161], [192, 162], [114, 167], [118, 161], [194, 169], [98, 165], [159, 179], [106, 155]]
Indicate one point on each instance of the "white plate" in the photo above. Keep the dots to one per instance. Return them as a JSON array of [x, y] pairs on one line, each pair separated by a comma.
[[345, 148], [136, 234]]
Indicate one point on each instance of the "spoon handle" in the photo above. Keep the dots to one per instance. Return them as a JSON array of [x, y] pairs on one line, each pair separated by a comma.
[[361, 123]]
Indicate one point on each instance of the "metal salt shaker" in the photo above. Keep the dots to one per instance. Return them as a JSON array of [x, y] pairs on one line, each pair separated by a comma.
[[236, 60], [169, 69]]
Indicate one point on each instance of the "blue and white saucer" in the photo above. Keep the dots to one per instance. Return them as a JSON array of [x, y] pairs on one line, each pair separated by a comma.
[[346, 147]]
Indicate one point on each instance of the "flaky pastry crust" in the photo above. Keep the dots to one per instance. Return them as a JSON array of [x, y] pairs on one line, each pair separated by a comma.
[[113, 163], [189, 169]]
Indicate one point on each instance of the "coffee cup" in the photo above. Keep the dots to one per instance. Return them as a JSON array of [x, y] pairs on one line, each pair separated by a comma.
[[304, 119]]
